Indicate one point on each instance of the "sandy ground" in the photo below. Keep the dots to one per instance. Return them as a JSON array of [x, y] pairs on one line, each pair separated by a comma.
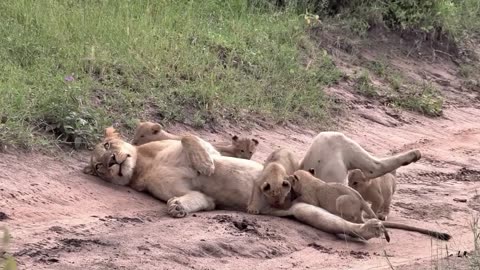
[[63, 219]]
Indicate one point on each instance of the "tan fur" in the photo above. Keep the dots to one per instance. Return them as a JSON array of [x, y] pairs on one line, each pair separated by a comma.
[[148, 132], [239, 147], [336, 198], [191, 176], [272, 188], [332, 155], [379, 191]]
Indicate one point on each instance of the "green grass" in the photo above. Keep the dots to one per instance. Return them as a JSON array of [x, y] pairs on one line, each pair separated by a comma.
[[189, 61]]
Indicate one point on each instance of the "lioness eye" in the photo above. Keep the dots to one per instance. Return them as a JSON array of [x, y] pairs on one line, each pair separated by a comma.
[[106, 145]]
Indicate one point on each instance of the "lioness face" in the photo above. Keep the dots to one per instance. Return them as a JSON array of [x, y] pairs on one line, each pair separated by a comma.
[[244, 147], [113, 160], [146, 132]]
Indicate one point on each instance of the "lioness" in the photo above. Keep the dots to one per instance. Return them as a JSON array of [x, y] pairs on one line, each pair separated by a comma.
[[190, 175], [239, 147]]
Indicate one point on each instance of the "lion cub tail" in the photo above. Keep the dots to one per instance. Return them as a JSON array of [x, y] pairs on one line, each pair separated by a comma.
[[439, 235]]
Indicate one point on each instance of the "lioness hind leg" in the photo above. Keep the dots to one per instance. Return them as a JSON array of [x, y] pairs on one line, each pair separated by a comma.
[[373, 167], [198, 155], [193, 201]]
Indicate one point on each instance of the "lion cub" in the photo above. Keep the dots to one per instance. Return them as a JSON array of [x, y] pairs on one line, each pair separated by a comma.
[[148, 132], [379, 191], [240, 147], [336, 198], [272, 188]]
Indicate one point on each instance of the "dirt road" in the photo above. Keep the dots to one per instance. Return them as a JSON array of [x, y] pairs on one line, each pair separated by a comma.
[[63, 219]]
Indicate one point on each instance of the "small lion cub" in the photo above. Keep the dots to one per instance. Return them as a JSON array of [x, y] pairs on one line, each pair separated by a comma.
[[379, 191], [336, 198], [272, 189], [240, 147]]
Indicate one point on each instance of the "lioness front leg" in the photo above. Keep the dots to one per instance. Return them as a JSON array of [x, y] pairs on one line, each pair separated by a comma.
[[193, 201], [327, 222], [198, 155]]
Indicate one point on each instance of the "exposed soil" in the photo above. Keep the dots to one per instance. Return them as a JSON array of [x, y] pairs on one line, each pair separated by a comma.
[[63, 219]]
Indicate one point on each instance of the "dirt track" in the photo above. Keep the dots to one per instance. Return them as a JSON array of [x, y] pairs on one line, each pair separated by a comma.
[[63, 219]]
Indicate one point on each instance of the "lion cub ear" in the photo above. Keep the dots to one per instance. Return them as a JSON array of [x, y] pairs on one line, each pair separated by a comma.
[[311, 171], [156, 128], [111, 133], [255, 141]]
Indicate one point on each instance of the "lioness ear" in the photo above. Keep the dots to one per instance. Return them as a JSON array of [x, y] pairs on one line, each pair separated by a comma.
[[156, 128], [311, 171], [255, 141], [88, 170], [111, 133], [235, 138]]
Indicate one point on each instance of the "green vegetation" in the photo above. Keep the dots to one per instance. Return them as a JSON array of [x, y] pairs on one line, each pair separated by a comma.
[[454, 18], [189, 61], [7, 262], [364, 85], [70, 68]]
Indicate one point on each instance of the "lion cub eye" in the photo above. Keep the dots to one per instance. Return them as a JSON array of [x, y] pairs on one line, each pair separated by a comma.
[[106, 145], [243, 151], [285, 184], [142, 136], [266, 187]]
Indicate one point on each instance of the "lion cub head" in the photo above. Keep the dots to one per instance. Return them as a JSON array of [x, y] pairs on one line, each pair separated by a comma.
[[147, 132], [299, 178], [244, 147], [356, 179], [113, 159], [274, 185]]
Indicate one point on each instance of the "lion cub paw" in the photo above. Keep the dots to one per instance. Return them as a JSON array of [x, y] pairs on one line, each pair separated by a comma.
[[175, 208]]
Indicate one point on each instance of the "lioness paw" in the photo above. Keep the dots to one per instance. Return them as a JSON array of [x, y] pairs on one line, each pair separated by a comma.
[[206, 167], [253, 210], [373, 228], [175, 208]]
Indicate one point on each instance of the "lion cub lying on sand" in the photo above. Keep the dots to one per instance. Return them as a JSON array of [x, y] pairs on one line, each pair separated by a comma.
[[336, 198], [272, 189], [379, 191], [240, 147]]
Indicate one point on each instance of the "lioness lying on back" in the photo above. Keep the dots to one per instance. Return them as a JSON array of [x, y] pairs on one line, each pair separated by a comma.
[[239, 147], [272, 189], [379, 191]]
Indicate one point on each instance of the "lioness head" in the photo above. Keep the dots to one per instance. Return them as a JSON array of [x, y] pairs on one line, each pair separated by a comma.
[[113, 159], [244, 147], [357, 179], [146, 132], [275, 186]]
